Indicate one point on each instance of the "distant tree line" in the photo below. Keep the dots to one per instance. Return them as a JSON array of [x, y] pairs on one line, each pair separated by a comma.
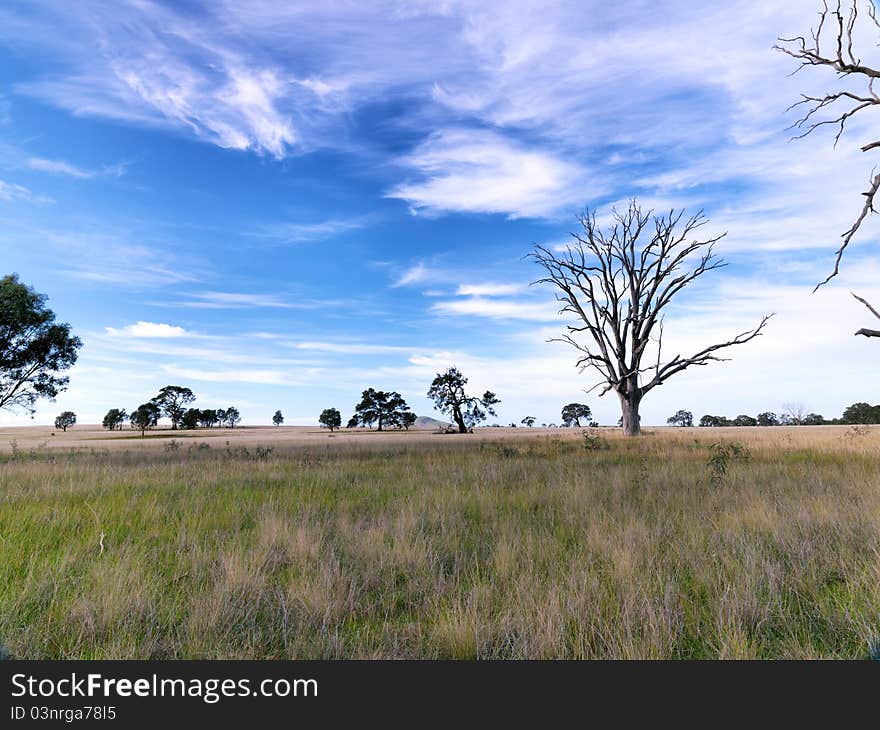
[[173, 402], [856, 414]]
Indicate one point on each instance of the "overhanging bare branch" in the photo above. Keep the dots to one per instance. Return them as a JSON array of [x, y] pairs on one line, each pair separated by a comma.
[[831, 46]]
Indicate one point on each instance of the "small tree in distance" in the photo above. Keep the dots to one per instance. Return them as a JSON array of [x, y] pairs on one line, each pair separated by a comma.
[[191, 419], [331, 418], [231, 416], [379, 407], [574, 412], [528, 421], [447, 392], [172, 401], [145, 416], [114, 419], [277, 419], [681, 418], [744, 420], [408, 420], [65, 420], [767, 419]]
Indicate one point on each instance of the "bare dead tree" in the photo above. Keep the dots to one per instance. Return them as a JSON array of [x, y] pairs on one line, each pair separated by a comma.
[[794, 413], [617, 285], [831, 45]]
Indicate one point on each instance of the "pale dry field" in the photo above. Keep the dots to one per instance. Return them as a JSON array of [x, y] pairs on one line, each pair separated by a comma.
[[91, 436], [510, 543]]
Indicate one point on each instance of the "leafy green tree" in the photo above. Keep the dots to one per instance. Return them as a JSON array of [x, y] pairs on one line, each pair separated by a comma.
[[208, 417], [528, 421], [172, 401], [231, 416], [381, 408], [713, 421], [114, 419], [767, 419], [861, 413], [574, 412], [447, 392], [745, 421], [681, 418], [34, 349], [353, 422], [332, 419], [278, 419], [145, 416], [813, 419], [408, 420], [191, 419], [65, 420]]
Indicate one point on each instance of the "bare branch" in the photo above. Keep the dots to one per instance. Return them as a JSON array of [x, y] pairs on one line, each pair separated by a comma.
[[844, 62], [864, 331]]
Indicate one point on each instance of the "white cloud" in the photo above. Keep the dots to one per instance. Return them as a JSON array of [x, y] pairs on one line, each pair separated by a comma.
[[61, 167], [256, 376], [234, 300], [488, 289], [497, 309], [353, 348], [416, 274], [479, 171], [295, 232], [147, 330]]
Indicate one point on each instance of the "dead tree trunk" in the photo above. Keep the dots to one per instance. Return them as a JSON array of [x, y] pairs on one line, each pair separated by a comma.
[[629, 408]]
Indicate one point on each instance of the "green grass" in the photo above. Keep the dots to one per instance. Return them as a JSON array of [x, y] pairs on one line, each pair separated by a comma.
[[459, 549]]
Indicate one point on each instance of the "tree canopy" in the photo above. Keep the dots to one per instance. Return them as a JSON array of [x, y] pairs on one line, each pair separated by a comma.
[[681, 418], [574, 412], [114, 419], [172, 401], [385, 409], [145, 416], [65, 420], [34, 349], [330, 418], [448, 393]]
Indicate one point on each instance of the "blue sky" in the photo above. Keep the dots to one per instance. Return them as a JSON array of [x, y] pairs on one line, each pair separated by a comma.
[[281, 204]]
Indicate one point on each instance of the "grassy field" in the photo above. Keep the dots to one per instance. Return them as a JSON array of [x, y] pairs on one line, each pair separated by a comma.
[[262, 544]]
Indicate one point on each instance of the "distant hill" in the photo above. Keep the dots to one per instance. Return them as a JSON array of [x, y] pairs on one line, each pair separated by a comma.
[[428, 422]]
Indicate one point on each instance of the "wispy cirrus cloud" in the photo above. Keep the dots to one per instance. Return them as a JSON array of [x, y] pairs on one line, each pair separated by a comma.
[[416, 274], [238, 300], [522, 110], [10, 192], [300, 232], [68, 169]]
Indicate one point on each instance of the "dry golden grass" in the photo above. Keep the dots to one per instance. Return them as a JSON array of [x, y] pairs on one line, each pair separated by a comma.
[[506, 544]]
